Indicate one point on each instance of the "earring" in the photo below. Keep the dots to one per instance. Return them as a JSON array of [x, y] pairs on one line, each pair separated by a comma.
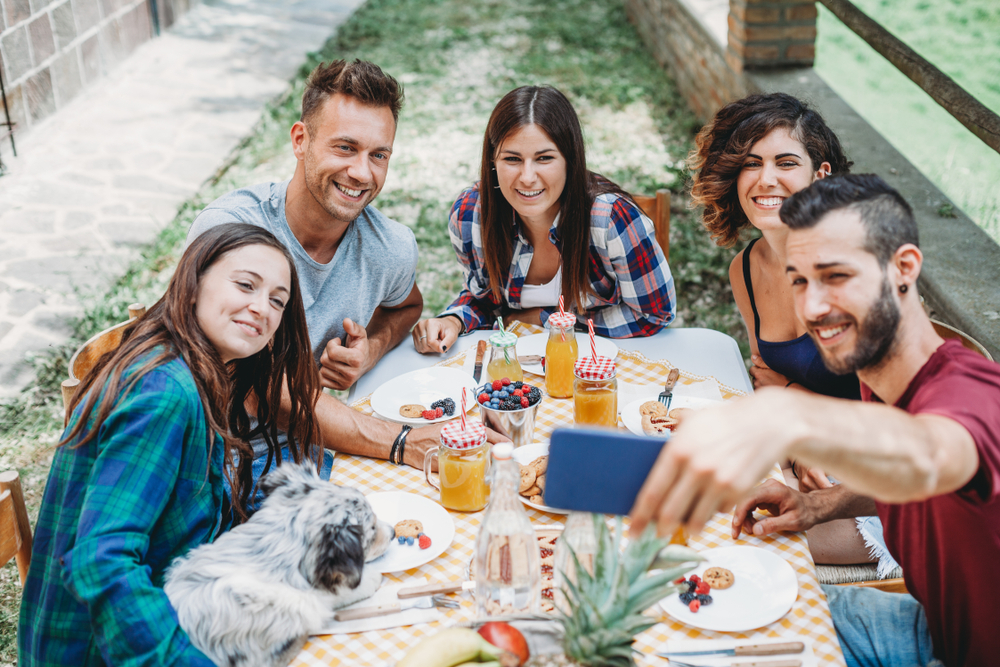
[[903, 288]]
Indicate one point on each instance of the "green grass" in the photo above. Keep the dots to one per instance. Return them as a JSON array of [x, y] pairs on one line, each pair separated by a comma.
[[456, 58], [960, 37]]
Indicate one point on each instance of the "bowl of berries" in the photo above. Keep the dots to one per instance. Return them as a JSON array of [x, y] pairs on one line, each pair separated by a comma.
[[509, 408]]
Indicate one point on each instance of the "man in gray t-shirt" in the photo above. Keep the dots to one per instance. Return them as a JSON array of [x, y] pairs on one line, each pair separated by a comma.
[[356, 267]]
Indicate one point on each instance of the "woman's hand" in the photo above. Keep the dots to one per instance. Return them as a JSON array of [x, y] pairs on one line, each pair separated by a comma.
[[528, 316], [810, 479], [763, 376], [436, 335]]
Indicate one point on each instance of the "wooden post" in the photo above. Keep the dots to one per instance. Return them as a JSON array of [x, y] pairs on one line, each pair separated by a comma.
[[771, 33], [10, 481]]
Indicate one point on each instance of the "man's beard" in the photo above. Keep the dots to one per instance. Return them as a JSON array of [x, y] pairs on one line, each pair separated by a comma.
[[875, 336], [338, 210]]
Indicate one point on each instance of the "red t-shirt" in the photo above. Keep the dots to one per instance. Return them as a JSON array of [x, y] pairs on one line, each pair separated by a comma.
[[949, 545]]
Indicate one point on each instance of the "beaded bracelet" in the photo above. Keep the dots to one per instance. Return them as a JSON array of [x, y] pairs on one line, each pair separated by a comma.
[[399, 445]]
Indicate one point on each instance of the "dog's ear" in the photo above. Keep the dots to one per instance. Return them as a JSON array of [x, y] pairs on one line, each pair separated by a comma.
[[287, 474], [341, 557]]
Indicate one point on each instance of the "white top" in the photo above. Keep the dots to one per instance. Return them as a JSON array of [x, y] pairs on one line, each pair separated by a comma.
[[542, 296]]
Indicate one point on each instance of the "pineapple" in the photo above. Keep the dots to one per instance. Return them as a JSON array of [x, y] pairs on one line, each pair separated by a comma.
[[604, 610]]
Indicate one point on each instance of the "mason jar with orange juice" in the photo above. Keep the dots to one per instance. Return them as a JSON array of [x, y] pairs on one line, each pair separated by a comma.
[[503, 358], [463, 464], [595, 392], [560, 355]]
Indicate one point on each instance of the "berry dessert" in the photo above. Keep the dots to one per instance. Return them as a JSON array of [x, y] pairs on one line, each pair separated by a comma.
[[697, 594], [506, 395]]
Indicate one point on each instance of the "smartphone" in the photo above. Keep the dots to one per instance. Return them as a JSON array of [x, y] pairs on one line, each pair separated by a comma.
[[596, 470]]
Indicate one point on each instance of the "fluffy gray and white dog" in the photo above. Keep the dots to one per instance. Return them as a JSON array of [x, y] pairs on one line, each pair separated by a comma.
[[254, 595]]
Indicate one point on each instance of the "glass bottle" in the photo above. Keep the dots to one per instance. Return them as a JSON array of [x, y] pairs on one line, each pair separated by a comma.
[[503, 358], [595, 392], [508, 568], [581, 536], [560, 355]]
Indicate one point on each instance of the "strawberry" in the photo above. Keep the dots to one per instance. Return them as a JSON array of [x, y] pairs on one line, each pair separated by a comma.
[[525, 403], [425, 542], [484, 398], [694, 606], [679, 581], [504, 382], [703, 588], [498, 385], [429, 414]]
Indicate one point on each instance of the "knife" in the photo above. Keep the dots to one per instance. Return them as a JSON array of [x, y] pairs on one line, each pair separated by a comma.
[[787, 662], [382, 609], [432, 589], [746, 649], [480, 351], [530, 359]]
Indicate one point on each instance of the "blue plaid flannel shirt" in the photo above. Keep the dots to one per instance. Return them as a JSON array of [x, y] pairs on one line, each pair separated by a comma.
[[115, 513], [635, 291]]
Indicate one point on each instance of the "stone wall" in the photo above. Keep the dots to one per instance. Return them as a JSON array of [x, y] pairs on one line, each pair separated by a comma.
[[50, 50]]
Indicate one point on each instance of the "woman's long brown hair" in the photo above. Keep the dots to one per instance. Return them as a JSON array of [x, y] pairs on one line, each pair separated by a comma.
[[172, 328], [549, 109], [723, 145]]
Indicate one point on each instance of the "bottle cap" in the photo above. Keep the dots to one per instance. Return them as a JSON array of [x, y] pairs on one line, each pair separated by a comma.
[[453, 436], [503, 339], [594, 368], [503, 451], [562, 320]]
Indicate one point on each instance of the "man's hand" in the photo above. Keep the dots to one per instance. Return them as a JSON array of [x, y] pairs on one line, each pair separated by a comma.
[[420, 440], [790, 511], [342, 364], [810, 479], [436, 335], [763, 376]]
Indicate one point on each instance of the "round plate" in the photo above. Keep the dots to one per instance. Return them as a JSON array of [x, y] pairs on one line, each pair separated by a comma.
[[633, 420], [525, 455], [765, 588], [535, 344], [423, 387], [394, 506]]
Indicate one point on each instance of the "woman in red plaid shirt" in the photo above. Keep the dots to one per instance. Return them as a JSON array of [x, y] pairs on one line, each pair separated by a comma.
[[539, 225]]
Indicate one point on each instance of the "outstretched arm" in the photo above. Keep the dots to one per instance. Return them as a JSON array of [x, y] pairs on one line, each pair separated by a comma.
[[795, 511]]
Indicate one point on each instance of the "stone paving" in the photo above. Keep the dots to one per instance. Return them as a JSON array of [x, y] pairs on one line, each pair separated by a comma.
[[97, 180]]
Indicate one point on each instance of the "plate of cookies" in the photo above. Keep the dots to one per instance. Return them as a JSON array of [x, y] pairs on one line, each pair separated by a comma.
[[534, 462], [736, 589], [424, 396], [647, 416], [424, 529]]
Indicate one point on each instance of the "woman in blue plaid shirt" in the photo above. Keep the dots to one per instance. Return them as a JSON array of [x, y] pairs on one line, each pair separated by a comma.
[[539, 225], [138, 477]]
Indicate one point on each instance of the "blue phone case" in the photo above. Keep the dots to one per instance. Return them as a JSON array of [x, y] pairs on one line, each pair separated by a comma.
[[593, 470]]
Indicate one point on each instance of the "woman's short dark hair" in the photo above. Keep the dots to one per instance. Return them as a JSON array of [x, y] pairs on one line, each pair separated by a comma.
[[723, 145], [549, 109]]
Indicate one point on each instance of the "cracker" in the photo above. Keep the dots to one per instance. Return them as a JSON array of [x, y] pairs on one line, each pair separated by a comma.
[[411, 410], [719, 578], [409, 528]]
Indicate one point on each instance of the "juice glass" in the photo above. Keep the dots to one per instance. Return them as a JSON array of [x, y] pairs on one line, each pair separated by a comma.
[[463, 466], [503, 358], [595, 392], [560, 355]]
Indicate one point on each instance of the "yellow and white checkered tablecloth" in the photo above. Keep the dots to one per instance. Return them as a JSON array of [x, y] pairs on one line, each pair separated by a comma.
[[809, 616]]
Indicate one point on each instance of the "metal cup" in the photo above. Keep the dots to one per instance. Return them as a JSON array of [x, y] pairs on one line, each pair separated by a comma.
[[518, 425]]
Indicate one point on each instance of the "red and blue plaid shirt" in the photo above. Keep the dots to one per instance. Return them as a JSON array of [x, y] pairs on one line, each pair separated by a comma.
[[634, 291]]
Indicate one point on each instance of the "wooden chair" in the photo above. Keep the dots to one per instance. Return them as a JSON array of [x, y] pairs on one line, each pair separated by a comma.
[[947, 331], [15, 531], [84, 358], [657, 209]]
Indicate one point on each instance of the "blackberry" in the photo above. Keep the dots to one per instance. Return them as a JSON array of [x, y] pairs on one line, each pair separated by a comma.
[[691, 586], [518, 384], [705, 599], [446, 404], [687, 597]]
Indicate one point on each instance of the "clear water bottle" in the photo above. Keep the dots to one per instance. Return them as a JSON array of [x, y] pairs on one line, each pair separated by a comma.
[[580, 534], [508, 567]]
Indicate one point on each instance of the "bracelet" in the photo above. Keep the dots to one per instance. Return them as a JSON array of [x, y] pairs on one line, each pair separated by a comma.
[[794, 474], [399, 445], [790, 383]]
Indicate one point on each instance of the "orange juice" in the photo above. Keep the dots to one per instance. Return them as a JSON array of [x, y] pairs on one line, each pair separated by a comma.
[[595, 403], [462, 474], [560, 355], [499, 368]]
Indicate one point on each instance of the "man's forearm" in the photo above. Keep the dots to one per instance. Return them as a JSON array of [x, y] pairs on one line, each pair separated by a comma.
[[838, 502], [388, 327]]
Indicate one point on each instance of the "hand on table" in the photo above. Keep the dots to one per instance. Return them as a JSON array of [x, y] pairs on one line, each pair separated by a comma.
[[790, 511], [436, 335], [763, 376], [341, 365], [420, 440]]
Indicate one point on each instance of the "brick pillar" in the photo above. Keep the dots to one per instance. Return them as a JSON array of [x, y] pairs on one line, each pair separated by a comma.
[[771, 33]]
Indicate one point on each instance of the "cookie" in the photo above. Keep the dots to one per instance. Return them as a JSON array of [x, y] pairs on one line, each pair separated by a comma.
[[409, 528], [411, 410], [528, 477], [718, 578], [680, 413], [532, 491], [656, 425], [540, 482], [541, 464], [653, 408], [537, 499]]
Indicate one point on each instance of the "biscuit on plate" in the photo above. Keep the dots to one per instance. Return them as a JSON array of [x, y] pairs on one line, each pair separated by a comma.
[[718, 578], [409, 528], [653, 408], [527, 478], [657, 425], [411, 410], [680, 413], [541, 464]]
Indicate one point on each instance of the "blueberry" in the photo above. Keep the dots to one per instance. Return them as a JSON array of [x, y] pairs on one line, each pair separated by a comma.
[[504, 393], [705, 599], [409, 540], [687, 597], [401, 539], [495, 394]]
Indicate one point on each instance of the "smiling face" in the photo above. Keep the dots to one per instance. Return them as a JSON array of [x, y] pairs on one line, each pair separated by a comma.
[[241, 299], [842, 294], [777, 167], [345, 151], [531, 173]]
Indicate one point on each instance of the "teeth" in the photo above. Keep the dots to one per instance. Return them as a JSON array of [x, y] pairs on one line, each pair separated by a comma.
[[249, 327], [529, 193], [349, 192], [768, 201], [830, 333]]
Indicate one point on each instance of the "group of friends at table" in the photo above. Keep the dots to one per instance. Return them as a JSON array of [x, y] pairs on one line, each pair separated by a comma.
[[288, 288]]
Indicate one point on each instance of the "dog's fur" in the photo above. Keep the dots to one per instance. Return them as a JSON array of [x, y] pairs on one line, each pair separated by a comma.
[[254, 595]]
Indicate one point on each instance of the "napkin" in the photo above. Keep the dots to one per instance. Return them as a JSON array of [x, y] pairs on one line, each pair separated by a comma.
[[384, 595], [807, 657]]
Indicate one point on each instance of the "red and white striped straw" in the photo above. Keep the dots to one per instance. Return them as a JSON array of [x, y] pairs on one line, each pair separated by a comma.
[[593, 344], [464, 392], [561, 309]]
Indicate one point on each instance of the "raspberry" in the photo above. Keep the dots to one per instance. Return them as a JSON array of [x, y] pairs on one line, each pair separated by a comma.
[[438, 412], [694, 606], [429, 414], [526, 388], [425, 542], [525, 403], [504, 382], [484, 398], [518, 393], [695, 578], [680, 581], [498, 385], [702, 588]]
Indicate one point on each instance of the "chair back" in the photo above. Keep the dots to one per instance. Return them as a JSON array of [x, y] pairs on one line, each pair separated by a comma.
[[87, 355], [947, 331], [15, 530], [657, 209]]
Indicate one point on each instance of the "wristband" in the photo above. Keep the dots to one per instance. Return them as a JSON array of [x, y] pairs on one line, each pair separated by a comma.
[[399, 445], [790, 383]]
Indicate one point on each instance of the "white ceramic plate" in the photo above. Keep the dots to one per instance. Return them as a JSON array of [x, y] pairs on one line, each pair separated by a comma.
[[525, 455], [535, 344], [765, 588], [633, 420], [394, 506], [423, 387]]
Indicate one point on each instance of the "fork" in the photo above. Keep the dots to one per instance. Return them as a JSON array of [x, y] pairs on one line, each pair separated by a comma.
[[667, 394], [396, 607], [755, 663]]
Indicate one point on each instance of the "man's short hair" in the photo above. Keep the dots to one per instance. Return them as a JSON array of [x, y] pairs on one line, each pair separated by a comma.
[[362, 80], [887, 218]]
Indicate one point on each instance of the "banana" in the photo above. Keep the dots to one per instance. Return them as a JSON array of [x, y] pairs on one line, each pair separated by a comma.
[[450, 647]]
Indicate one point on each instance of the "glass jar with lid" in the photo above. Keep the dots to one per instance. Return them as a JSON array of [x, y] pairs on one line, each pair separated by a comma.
[[503, 358], [595, 392], [560, 355], [463, 466]]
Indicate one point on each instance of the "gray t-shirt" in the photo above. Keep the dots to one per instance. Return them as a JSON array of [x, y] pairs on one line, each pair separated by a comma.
[[375, 264]]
